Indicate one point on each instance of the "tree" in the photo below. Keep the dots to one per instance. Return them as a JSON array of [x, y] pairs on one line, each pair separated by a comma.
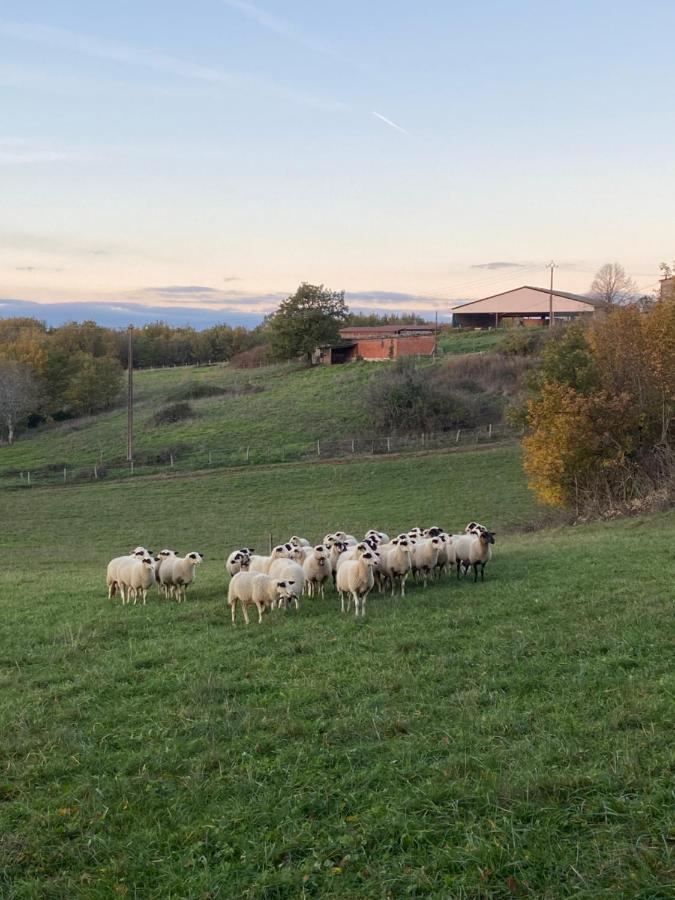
[[19, 394], [612, 285], [311, 316], [95, 383]]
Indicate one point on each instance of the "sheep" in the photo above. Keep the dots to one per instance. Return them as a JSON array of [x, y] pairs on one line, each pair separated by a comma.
[[260, 591], [397, 564], [290, 571], [425, 557], [177, 573], [474, 528], [355, 579], [161, 557], [239, 560], [317, 570], [135, 574], [472, 551], [355, 552], [379, 536], [111, 572], [261, 564], [299, 541], [336, 548]]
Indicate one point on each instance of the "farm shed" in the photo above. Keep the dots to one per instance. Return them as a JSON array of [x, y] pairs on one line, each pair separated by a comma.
[[524, 305], [379, 342]]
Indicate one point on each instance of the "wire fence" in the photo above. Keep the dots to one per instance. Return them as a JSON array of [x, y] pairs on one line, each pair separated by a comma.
[[205, 457]]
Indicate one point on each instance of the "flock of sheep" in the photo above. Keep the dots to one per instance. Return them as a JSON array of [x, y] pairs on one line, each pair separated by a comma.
[[354, 568]]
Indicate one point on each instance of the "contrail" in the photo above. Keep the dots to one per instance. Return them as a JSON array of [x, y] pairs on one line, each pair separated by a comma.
[[389, 122]]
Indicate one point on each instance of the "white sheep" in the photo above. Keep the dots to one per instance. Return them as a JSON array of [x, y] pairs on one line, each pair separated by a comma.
[[239, 560], [257, 590], [290, 571], [397, 564], [355, 579], [299, 541], [111, 571], [474, 551], [177, 573], [161, 557], [135, 575], [425, 557], [317, 570], [261, 564]]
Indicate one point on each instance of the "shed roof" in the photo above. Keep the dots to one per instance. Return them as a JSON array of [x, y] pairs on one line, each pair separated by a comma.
[[527, 299], [362, 331]]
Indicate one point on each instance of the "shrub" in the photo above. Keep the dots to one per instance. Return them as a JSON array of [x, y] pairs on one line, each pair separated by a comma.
[[251, 359], [175, 412], [196, 390]]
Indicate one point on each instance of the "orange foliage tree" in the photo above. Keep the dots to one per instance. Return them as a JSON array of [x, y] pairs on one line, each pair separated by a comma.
[[602, 412]]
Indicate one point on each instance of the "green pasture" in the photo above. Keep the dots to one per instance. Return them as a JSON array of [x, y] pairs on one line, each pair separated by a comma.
[[511, 738]]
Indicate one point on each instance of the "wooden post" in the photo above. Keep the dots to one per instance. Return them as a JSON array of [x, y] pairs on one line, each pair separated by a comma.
[[248, 453], [95, 473], [28, 477], [459, 431], [318, 448], [490, 431], [353, 446], [132, 466], [210, 457], [171, 459], [65, 474], [271, 544], [130, 394], [388, 445]]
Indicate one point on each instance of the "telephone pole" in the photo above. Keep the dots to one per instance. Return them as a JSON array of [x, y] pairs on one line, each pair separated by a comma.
[[130, 394], [551, 317]]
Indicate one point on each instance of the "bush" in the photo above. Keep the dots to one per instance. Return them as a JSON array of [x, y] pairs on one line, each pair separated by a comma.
[[406, 399], [523, 341], [251, 359], [175, 412]]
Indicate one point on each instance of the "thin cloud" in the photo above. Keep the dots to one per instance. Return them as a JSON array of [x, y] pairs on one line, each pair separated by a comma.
[[284, 29], [88, 45], [496, 266], [389, 122]]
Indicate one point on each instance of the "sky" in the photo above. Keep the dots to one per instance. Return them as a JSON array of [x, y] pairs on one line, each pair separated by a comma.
[[212, 155]]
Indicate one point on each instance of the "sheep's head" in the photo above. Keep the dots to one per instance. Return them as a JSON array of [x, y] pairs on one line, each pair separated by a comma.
[[434, 531], [195, 557], [297, 554], [286, 591], [370, 558], [148, 562], [295, 540], [280, 552], [487, 537], [140, 552]]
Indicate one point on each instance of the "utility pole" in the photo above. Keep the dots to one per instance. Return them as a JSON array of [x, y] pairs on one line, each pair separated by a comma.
[[130, 394], [436, 337], [551, 317]]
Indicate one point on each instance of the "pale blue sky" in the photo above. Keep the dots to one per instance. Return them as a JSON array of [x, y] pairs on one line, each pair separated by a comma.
[[383, 146]]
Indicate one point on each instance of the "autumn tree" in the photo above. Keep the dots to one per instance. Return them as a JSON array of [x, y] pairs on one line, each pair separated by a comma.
[[313, 315], [612, 285], [19, 395]]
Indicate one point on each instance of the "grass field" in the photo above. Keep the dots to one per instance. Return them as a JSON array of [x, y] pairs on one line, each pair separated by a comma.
[[504, 739]]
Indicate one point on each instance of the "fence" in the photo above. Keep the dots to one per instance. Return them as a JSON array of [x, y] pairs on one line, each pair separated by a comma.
[[205, 457]]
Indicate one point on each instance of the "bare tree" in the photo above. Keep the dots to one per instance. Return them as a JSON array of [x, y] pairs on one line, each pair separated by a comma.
[[612, 285], [19, 395]]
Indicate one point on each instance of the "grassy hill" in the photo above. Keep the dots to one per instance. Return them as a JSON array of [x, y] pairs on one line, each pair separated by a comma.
[[503, 739], [276, 411]]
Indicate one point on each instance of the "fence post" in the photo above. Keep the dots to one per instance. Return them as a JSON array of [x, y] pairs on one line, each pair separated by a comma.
[[28, 477], [132, 466], [490, 430], [388, 444], [353, 446], [318, 448], [372, 448], [95, 473], [248, 453], [65, 474], [209, 457], [171, 459], [271, 542], [459, 431]]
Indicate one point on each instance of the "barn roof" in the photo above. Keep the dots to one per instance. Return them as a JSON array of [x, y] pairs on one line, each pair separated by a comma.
[[362, 331], [527, 299]]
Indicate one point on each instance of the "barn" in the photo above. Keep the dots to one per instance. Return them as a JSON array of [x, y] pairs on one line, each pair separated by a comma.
[[524, 306], [377, 342]]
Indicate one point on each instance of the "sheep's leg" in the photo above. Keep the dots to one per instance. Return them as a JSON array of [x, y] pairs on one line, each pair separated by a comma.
[[259, 606], [356, 603], [403, 578], [475, 572], [244, 606], [144, 594], [233, 608], [482, 572], [297, 602], [363, 603]]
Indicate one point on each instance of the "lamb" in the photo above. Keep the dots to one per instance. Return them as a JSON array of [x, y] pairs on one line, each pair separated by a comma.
[[355, 579], [425, 557], [397, 564], [474, 550], [290, 571], [111, 572], [177, 573], [317, 570], [260, 591], [135, 575]]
